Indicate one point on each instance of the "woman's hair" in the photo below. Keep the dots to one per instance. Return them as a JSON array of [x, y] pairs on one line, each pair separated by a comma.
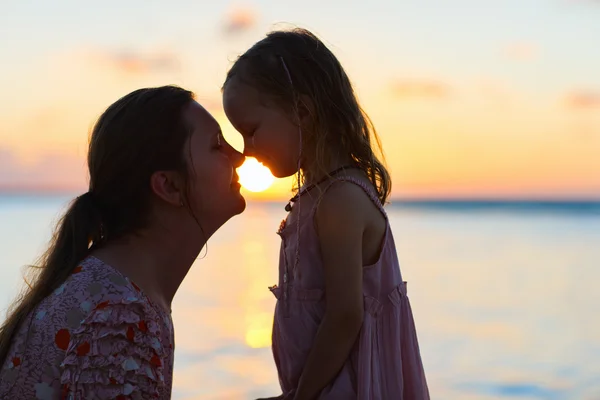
[[139, 134], [288, 65]]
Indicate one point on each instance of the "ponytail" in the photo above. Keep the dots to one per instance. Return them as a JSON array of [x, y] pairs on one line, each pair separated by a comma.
[[79, 227], [144, 129]]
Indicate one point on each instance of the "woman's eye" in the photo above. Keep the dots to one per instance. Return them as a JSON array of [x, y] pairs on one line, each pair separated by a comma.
[[219, 143]]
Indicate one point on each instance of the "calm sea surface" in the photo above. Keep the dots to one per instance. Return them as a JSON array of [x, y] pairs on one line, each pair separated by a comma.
[[506, 297]]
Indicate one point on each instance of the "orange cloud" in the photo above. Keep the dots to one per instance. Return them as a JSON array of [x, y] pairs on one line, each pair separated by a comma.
[[420, 89], [521, 51], [583, 100], [48, 172], [136, 62], [240, 19]]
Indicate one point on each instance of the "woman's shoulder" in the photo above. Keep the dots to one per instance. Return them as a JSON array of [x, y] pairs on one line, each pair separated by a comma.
[[97, 292], [132, 338], [98, 325], [93, 283]]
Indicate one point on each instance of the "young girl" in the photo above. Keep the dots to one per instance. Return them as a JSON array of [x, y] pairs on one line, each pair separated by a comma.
[[162, 181], [343, 326]]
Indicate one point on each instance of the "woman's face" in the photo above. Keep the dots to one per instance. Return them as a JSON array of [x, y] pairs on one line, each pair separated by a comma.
[[214, 191]]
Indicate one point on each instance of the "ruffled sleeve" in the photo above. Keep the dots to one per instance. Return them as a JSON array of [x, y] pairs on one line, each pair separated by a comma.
[[115, 354]]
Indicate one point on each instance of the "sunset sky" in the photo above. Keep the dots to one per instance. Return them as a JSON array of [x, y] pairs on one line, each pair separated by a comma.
[[470, 98]]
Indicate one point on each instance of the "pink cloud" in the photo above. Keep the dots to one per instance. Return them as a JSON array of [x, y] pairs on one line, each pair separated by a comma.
[[135, 62], [48, 172], [420, 89], [585, 99], [240, 19]]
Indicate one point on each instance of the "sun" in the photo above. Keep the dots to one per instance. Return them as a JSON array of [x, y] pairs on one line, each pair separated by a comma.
[[254, 176]]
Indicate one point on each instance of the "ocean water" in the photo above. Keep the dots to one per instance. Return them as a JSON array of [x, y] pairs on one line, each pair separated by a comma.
[[506, 297]]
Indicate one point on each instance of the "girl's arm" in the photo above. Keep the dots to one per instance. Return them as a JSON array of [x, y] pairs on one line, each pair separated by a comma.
[[340, 223]]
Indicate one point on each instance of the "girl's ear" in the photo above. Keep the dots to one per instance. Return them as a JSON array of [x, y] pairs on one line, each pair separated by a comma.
[[306, 110]]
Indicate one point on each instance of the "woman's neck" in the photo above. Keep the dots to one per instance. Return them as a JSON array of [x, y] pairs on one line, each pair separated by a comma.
[[156, 261]]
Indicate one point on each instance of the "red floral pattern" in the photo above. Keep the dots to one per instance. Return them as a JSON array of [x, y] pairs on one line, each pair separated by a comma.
[[94, 337]]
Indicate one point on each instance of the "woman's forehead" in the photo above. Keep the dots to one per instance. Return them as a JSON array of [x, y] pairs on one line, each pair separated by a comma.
[[200, 120]]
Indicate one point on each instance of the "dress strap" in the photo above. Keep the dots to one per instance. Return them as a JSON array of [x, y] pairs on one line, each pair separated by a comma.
[[367, 189]]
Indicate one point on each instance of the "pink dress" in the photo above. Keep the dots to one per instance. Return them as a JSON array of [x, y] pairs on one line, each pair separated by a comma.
[[96, 337], [385, 362]]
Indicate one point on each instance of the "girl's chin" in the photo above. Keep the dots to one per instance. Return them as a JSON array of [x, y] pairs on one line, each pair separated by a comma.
[[280, 173]]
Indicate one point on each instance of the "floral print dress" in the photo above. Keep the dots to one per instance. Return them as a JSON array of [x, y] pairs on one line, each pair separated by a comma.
[[96, 337]]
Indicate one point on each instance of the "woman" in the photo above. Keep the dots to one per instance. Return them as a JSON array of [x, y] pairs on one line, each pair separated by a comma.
[[95, 322]]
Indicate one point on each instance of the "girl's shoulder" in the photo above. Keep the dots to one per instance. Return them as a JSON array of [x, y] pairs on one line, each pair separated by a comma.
[[352, 195]]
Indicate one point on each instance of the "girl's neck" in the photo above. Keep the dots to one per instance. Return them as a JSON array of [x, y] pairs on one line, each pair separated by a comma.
[[313, 173]]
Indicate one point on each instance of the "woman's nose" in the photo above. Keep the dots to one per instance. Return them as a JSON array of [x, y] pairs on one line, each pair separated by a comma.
[[237, 158]]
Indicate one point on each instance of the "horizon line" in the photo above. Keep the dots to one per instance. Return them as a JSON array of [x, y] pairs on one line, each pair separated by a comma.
[[407, 200]]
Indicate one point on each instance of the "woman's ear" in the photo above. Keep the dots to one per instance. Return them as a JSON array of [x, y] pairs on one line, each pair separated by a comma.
[[169, 187]]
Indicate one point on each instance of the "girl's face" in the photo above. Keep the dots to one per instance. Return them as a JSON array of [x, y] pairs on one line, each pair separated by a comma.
[[269, 133]]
